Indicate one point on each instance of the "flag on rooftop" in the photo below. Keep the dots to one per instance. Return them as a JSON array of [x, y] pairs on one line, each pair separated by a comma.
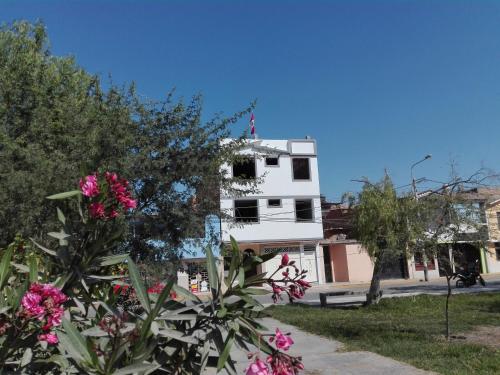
[[252, 124]]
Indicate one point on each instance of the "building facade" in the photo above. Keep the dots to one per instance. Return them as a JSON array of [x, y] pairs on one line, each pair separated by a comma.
[[285, 214]]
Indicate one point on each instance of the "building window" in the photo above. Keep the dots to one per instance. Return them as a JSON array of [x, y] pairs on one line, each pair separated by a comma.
[[274, 202], [304, 210], [301, 169], [244, 168], [272, 161], [498, 220], [246, 211], [497, 250]]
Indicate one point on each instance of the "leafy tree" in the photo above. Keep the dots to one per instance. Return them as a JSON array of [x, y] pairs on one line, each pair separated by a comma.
[[57, 123], [382, 223], [55, 120], [451, 215]]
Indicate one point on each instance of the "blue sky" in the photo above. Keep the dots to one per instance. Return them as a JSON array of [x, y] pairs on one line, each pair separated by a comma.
[[379, 84]]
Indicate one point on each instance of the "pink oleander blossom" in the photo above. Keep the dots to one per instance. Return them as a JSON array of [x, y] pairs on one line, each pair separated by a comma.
[[285, 259], [257, 368], [283, 342], [44, 302], [32, 304], [96, 210], [51, 338], [88, 186]]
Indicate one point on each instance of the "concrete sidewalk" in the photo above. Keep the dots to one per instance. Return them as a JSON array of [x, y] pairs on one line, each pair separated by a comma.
[[321, 356]]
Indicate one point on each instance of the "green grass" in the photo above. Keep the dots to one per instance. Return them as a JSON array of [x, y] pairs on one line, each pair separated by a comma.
[[409, 329]]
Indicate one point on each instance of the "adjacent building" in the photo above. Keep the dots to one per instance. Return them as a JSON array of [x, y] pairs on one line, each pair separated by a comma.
[[285, 214]]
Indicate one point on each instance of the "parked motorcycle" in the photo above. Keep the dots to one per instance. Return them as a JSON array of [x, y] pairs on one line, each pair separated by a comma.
[[466, 279]]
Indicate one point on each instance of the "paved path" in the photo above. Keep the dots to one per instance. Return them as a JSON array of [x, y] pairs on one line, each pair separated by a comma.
[[321, 356]]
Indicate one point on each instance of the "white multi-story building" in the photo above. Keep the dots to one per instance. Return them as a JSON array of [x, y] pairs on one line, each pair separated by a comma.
[[285, 214]]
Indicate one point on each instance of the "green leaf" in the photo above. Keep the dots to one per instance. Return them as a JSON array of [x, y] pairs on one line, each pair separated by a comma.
[[26, 359], [50, 252], [111, 260], [59, 235], [33, 269], [65, 195], [241, 277], [235, 260], [227, 350], [178, 335], [94, 332], [257, 291], [140, 289], [60, 216], [5, 266], [76, 340], [136, 368], [165, 293], [21, 267], [183, 292], [213, 276]]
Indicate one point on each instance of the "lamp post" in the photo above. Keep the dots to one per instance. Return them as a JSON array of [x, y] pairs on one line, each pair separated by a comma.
[[414, 186]]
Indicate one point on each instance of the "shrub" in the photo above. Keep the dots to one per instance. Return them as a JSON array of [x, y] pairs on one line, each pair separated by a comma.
[[70, 311]]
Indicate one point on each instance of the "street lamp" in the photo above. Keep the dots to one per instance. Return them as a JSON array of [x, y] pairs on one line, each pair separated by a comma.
[[414, 186]]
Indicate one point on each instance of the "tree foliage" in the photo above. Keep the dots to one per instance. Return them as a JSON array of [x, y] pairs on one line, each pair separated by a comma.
[[57, 122], [383, 224]]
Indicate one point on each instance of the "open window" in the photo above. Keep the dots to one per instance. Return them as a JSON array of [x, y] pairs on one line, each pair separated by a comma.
[[244, 168], [304, 210], [272, 161], [274, 203], [301, 170], [246, 211]]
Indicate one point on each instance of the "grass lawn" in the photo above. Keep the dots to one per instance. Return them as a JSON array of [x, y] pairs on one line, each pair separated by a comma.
[[409, 329]]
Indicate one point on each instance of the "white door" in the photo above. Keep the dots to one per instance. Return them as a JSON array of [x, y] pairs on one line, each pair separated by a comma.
[[308, 263]]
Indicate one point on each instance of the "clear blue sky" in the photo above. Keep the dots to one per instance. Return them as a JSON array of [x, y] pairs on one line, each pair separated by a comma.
[[379, 84]]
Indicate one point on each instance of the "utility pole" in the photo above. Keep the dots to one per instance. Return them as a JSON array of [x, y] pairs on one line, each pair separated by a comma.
[[414, 186]]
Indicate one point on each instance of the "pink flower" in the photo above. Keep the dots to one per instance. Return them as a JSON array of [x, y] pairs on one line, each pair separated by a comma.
[[44, 301], [304, 283], [31, 303], [96, 210], [283, 342], [258, 368], [51, 338], [88, 186], [285, 259], [128, 203]]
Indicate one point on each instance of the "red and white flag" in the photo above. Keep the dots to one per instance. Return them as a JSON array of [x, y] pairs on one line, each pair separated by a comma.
[[252, 124]]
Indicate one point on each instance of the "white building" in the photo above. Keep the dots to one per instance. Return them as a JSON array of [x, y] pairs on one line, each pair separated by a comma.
[[286, 212]]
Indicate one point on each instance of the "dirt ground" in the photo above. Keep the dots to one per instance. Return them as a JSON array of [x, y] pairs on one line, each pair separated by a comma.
[[483, 335]]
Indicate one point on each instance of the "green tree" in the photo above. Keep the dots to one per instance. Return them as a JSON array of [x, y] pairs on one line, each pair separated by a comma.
[[382, 223], [57, 123]]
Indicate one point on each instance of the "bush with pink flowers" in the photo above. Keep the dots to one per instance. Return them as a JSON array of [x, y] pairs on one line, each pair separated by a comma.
[[64, 310]]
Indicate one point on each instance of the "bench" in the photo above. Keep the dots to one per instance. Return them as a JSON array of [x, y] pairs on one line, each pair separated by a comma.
[[322, 296]]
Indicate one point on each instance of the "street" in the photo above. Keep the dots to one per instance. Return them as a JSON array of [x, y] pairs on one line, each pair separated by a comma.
[[391, 288]]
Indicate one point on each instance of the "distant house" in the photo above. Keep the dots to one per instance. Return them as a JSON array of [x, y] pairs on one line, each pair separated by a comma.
[[345, 259], [285, 215], [466, 254]]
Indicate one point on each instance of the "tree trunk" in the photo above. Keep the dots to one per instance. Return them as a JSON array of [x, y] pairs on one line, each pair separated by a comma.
[[447, 317], [374, 294]]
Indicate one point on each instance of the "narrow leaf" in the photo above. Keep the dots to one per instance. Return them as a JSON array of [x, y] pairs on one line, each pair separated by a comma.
[[5, 266], [76, 340], [227, 349], [60, 216], [65, 195], [140, 289], [212, 270], [50, 252]]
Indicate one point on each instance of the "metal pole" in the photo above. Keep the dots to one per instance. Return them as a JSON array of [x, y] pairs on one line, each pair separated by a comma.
[[414, 186]]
